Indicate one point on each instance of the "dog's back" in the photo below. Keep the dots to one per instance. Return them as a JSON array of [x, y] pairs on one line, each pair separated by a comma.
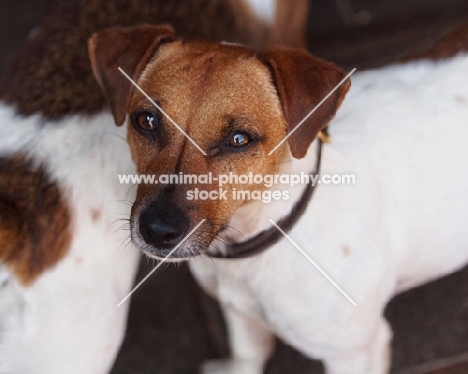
[[402, 131], [404, 128]]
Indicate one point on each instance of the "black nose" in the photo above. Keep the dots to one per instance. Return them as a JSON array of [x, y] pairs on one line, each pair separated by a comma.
[[162, 224]]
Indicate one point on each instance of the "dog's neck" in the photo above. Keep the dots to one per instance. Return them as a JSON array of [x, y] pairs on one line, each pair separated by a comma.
[[248, 234]]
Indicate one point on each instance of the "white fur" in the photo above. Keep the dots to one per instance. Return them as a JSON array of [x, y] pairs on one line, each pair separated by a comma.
[[402, 130], [68, 321], [264, 10]]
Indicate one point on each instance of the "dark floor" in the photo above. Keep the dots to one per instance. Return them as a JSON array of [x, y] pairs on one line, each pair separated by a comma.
[[173, 326]]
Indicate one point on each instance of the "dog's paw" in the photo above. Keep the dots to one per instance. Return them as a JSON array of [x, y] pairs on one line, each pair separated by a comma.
[[232, 367]]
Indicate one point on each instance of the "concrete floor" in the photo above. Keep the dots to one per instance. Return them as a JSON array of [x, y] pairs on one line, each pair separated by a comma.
[[173, 326]]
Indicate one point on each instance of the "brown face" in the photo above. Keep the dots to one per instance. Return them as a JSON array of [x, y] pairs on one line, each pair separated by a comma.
[[223, 98], [235, 103]]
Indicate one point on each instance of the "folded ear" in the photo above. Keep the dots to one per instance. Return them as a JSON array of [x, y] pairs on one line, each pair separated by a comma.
[[302, 82], [129, 48]]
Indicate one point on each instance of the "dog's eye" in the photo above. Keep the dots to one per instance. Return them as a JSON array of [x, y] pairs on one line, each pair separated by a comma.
[[145, 120], [239, 139]]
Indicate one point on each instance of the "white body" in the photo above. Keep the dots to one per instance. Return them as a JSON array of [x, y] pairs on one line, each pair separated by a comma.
[[403, 132], [68, 321]]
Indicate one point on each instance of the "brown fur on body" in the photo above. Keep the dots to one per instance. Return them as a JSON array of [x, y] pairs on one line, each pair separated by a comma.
[[35, 221], [52, 76]]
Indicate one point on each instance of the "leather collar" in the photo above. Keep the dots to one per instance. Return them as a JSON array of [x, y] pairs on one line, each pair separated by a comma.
[[272, 235]]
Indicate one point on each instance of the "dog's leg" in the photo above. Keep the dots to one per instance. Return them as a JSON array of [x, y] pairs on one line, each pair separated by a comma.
[[373, 358], [251, 345]]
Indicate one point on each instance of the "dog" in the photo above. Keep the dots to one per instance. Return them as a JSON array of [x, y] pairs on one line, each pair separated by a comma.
[[63, 269], [401, 131]]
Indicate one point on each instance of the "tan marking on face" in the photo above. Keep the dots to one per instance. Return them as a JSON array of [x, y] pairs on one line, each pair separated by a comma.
[[210, 91], [34, 219]]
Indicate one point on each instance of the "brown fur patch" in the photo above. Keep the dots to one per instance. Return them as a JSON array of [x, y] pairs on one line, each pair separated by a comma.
[[34, 219], [346, 250], [51, 74], [95, 215]]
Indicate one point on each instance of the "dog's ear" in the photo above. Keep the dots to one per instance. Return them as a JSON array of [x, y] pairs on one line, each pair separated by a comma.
[[129, 48], [302, 82]]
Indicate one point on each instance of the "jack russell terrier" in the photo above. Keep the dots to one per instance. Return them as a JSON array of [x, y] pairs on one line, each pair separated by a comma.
[[401, 131], [63, 270]]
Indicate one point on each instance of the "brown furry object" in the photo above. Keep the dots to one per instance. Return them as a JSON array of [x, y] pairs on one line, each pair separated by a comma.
[[51, 74], [31, 204]]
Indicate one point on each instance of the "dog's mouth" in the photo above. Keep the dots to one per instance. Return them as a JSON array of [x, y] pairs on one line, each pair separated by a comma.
[[178, 243]]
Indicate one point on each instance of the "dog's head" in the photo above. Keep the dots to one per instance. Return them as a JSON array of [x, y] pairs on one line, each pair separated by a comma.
[[236, 104]]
